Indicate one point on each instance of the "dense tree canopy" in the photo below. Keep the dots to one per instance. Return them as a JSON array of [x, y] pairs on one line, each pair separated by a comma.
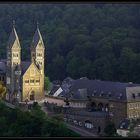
[[99, 41], [33, 123]]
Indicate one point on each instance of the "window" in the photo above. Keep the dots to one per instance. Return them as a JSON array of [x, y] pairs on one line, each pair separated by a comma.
[[15, 54], [94, 91], [120, 96], [3, 78], [37, 81], [31, 81], [133, 95], [131, 106], [88, 125], [39, 54], [102, 93], [136, 105], [26, 81]]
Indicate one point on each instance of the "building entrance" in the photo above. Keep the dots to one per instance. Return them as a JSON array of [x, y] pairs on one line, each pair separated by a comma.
[[32, 96]]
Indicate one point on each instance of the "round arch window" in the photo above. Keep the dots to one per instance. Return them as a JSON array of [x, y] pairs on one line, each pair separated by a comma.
[[88, 124]]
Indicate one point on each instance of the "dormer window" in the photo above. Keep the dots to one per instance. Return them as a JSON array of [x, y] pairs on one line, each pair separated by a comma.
[[133, 95], [102, 93], [109, 94], [120, 96]]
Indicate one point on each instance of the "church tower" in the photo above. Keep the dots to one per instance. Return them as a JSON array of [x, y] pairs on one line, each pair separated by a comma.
[[13, 70], [37, 56], [37, 50]]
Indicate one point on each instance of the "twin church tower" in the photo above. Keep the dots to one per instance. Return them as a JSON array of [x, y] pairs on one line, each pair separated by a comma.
[[24, 79]]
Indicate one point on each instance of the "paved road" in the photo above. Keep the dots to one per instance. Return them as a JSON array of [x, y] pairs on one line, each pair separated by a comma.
[[74, 128], [80, 131]]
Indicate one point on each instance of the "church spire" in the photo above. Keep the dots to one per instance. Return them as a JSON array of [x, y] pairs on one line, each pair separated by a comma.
[[13, 23], [37, 25], [13, 37], [37, 37]]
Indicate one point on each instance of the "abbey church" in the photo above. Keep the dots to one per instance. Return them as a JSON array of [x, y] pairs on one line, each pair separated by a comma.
[[24, 80]]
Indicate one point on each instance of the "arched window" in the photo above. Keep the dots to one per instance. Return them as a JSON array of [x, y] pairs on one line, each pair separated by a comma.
[[88, 124], [102, 93], [133, 95], [93, 106], [106, 107], [100, 106]]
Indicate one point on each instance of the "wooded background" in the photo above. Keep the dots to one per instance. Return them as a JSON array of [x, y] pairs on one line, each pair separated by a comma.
[[97, 41]]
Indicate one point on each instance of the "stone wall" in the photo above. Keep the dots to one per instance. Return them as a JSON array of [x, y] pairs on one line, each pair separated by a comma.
[[118, 112], [93, 122], [55, 100]]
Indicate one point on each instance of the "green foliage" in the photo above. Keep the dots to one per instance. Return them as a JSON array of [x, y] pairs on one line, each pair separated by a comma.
[[58, 117], [16, 123], [94, 40], [47, 83], [110, 129]]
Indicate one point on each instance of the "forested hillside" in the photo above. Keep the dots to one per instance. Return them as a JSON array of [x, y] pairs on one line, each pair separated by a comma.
[[99, 41], [33, 123]]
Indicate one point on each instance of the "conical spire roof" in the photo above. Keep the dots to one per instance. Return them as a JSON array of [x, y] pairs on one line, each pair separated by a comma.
[[13, 37], [36, 38]]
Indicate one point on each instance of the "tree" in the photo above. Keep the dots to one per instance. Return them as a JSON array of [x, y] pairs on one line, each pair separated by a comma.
[[47, 83], [78, 34], [110, 129], [33, 123]]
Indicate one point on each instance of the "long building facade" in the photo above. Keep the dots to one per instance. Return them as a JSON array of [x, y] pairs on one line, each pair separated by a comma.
[[99, 102], [24, 80]]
